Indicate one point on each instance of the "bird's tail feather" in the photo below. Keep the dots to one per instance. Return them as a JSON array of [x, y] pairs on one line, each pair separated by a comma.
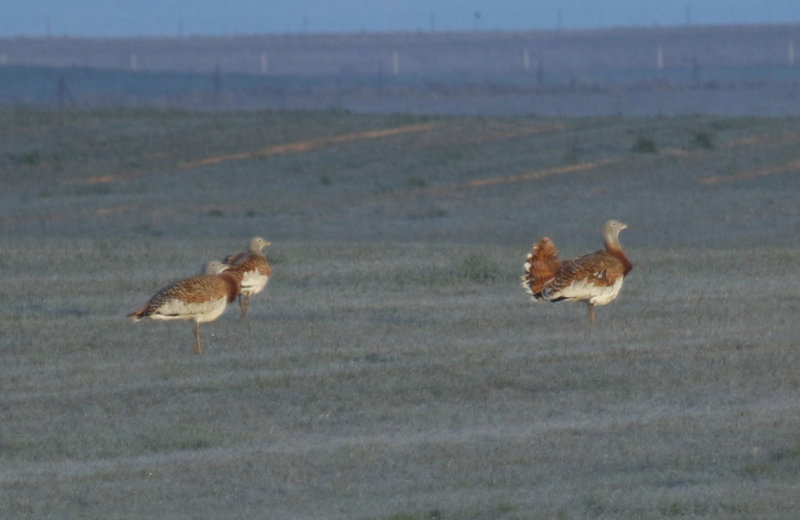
[[139, 314], [541, 266]]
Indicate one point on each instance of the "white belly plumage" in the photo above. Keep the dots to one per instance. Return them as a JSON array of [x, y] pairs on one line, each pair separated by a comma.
[[253, 282], [201, 312], [584, 290]]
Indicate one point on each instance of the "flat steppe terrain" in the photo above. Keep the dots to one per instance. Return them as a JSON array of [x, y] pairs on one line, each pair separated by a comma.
[[740, 70], [394, 369]]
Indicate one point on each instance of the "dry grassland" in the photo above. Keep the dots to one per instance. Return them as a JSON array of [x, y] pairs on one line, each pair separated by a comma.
[[394, 369]]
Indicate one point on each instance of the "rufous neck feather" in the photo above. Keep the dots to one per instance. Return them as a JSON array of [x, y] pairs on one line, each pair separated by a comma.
[[611, 239]]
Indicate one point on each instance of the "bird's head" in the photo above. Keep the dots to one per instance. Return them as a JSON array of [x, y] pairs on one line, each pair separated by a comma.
[[615, 226], [611, 231], [214, 267], [257, 244]]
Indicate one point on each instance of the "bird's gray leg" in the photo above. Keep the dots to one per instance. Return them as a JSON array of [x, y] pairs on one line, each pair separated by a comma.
[[197, 348], [591, 313], [244, 303]]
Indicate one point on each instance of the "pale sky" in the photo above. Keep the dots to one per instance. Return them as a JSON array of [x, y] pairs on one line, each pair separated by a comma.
[[234, 17]]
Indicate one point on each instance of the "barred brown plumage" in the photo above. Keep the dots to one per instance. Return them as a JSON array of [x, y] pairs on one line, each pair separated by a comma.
[[595, 278], [252, 269], [201, 298]]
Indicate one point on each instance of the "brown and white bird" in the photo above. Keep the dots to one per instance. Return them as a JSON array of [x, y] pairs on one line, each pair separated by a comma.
[[595, 278], [253, 270], [201, 298]]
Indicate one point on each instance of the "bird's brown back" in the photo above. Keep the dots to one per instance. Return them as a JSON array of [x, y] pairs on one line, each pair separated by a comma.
[[599, 268], [196, 289], [246, 262]]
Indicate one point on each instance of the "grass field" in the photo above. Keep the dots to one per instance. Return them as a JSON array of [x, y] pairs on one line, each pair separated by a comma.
[[394, 369]]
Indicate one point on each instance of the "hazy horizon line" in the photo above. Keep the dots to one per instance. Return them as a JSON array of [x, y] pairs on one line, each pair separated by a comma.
[[610, 28]]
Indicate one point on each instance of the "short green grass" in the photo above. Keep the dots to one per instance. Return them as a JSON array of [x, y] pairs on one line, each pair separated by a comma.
[[394, 368]]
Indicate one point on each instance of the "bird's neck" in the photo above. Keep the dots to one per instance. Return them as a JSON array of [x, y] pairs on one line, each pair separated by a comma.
[[612, 243], [234, 284], [615, 248]]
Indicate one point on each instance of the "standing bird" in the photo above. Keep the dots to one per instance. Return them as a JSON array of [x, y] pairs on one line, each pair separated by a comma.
[[200, 298], [252, 269], [595, 278]]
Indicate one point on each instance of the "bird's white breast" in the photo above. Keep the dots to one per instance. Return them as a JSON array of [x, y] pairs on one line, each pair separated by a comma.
[[253, 282]]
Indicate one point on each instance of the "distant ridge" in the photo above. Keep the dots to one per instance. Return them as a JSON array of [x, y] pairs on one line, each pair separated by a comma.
[[630, 70], [574, 49]]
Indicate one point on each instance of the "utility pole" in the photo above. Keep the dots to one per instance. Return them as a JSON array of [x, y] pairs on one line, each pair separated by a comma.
[[62, 92], [217, 85]]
